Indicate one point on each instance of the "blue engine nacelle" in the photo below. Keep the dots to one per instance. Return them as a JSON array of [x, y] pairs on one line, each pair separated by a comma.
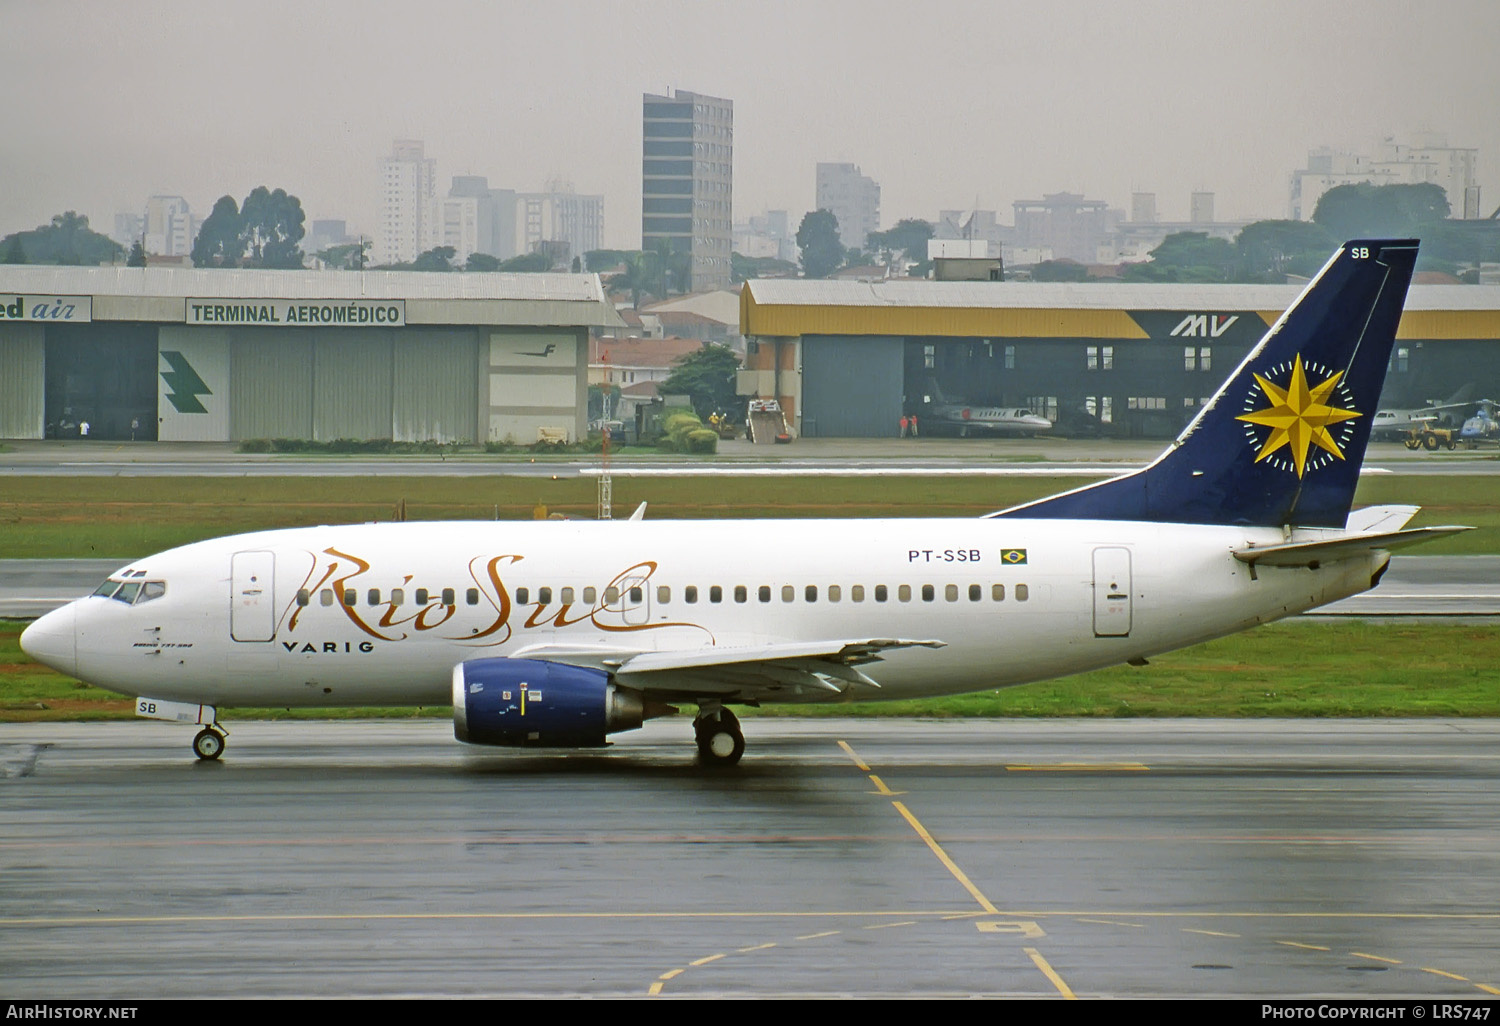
[[525, 702]]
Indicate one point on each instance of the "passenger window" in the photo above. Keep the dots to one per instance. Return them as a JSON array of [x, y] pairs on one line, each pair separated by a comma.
[[421, 596], [611, 596], [449, 597], [998, 593], [351, 596], [903, 592], [567, 596], [880, 593], [833, 593], [590, 594], [397, 596], [304, 597], [523, 595], [326, 596], [975, 593], [788, 593], [472, 596], [663, 594], [811, 593], [1022, 593], [741, 593], [373, 597], [950, 592], [763, 593], [928, 593], [857, 593], [715, 593], [638, 595], [544, 595], [690, 593]]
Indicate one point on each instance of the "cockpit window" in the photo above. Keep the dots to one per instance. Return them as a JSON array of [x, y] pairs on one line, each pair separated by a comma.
[[107, 589], [128, 591], [132, 592], [152, 590]]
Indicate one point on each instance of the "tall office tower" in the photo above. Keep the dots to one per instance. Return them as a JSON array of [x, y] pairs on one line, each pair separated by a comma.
[[1143, 207], [410, 218], [169, 227], [566, 223], [853, 198], [687, 183]]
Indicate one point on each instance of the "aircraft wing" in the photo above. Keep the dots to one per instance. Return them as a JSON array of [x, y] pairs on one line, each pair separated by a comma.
[[746, 672], [1314, 553]]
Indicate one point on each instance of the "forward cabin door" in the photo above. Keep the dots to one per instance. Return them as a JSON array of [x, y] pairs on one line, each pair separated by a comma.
[[252, 612], [1111, 592]]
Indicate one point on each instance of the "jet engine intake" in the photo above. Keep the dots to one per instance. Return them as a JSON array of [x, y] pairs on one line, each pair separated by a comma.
[[528, 702]]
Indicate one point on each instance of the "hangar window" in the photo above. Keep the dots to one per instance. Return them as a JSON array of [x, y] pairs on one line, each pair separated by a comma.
[[1101, 357], [1401, 359], [1010, 357], [929, 357], [857, 593]]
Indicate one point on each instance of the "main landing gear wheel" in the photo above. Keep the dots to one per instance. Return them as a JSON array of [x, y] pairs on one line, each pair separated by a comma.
[[720, 742], [209, 744]]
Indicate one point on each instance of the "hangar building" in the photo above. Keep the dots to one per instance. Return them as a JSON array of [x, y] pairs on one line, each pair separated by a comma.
[[850, 358], [228, 354]]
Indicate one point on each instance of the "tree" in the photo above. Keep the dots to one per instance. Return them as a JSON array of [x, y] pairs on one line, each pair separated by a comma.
[[909, 237], [1059, 270], [597, 260], [348, 256], [137, 256], [1270, 250], [527, 263], [818, 238], [272, 228], [1187, 257], [1376, 211], [743, 268], [482, 262], [66, 240], [220, 242], [439, 258], [707, 376]]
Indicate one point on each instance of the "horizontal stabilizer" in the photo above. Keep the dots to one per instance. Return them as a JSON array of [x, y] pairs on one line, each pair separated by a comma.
[[1313, 554]]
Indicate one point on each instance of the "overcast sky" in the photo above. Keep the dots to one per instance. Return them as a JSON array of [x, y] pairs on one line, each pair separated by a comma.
[[946, 104]]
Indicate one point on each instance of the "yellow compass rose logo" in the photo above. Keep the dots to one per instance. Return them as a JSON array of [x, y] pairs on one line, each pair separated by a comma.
[[1300, 417]]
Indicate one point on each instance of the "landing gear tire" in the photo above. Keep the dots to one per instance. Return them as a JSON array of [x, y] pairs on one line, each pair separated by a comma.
[[208, 745], [720, 741]]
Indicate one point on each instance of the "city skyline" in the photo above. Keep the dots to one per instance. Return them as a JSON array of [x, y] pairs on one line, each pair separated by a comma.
[[967, 106]]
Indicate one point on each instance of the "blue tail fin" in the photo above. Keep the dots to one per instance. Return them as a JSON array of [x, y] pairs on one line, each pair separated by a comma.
[[1282, 440]]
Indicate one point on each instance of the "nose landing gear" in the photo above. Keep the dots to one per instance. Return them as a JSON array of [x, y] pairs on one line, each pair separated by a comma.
[[209, 744]]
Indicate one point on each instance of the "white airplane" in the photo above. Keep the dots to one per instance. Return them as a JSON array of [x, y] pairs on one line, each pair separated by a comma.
[[1398, 423], [560, 633], [971, 419]]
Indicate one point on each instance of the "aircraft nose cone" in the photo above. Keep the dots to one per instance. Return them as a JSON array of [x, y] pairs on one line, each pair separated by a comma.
[[52, 641]]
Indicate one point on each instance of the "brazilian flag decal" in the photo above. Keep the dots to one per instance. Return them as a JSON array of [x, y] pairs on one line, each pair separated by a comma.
[[1013, 557]]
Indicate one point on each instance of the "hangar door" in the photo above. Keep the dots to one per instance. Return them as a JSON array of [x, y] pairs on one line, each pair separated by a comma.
[[851, 387]]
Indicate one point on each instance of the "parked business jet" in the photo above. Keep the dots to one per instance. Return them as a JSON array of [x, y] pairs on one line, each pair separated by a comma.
[[559, 633], [955, 415]]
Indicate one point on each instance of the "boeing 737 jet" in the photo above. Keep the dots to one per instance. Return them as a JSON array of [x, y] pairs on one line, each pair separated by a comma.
[[558, 633]]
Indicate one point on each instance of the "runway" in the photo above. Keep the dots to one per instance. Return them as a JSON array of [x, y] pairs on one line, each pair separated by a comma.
[[1414, 586], [843, 858]]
